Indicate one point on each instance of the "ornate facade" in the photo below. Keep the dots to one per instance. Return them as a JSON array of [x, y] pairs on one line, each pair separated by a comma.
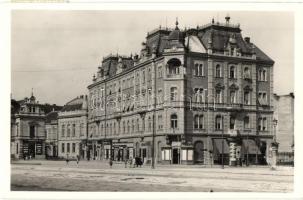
[[200, 95]]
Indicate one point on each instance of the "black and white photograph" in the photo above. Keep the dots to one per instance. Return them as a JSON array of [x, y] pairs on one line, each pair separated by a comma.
[[195, 101]]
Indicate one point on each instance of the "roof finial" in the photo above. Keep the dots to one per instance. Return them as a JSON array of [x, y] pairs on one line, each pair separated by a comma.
[[227, 18], [177, 23], [32, 92], [213, 20]]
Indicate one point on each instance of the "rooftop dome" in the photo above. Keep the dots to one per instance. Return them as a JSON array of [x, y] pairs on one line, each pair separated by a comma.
[[175, 34]]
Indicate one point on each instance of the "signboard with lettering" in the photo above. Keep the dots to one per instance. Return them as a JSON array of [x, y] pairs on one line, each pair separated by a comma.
[[25, 148], [176, 144], [38, 148]]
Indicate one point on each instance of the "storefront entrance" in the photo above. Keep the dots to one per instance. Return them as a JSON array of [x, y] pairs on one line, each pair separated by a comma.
[[176, 156], [199, 153], [31, 149]]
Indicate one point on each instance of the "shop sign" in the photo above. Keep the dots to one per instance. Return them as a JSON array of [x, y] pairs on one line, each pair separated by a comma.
[[25, 148], [176, 144], [38, 148]]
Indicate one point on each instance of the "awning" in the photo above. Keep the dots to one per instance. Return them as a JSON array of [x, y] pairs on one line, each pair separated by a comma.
[[218, 146], [249, 146]]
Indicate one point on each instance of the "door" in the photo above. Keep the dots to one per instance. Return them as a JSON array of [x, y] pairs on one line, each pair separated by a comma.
[[31, 149], [175, 156], [199, 152]]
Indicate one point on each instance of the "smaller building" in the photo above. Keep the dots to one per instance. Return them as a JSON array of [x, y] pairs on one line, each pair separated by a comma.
[[284, 116], [72, 126], [51, 128], [28, 127]]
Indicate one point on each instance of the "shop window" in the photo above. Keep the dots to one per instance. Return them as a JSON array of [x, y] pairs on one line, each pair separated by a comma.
[[166, 154]]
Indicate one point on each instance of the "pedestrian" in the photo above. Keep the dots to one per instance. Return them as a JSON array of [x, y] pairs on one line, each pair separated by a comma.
[[130, 162], [67, 159], [125, 163], [110, 163], [134, 162], [78, 159]]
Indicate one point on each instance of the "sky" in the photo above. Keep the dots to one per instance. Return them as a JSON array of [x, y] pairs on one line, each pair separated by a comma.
[[57, 52]]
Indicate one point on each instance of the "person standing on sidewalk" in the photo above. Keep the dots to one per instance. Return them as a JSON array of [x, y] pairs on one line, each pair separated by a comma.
[[110, 163], [78, 159], [67, 160]]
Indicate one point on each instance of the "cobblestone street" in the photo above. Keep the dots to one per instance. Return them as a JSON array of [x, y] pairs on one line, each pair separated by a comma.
[[98, 176]]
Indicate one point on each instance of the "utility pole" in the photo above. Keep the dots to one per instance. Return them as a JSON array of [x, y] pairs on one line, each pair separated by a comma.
[[154, 118], [222, 161]]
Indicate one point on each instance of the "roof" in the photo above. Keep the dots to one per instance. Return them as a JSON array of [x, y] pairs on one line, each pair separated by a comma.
[[51, 116], [75, 104]]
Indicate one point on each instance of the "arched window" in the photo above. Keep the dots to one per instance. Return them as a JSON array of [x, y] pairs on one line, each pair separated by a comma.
[[173, 93], [218, 71], [232, 72], [246, 73], [123, 127], [173, 121], [233, 96], [196, 69], [174, 66], [199, 69], [218, 124]]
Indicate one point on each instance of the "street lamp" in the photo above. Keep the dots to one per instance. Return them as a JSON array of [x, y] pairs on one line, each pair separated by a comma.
[[275, 123]]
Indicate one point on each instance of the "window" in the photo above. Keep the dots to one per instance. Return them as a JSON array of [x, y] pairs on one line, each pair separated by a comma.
[[74, 130], [173, 121], [262, 75], [174, 66], [143, 77], [233, 97], [62, 147], [173, 93], [232, 72], [128, 127], [133, 126], [114, 132], [123, 127], [160, 96], [149, 124], [232, 123], [160, 72], [198, 122], [246, 73], [247, 98], [149, 74], [138, 125], [68, 148], [218, 96], [32, 131], [262, 98], [218, 71], [218, 124], [199, 95], [246, 122], [74, 148], [166, 154], [199, 70], [160, 122], [262, 124], [81, 129], [68, 130]]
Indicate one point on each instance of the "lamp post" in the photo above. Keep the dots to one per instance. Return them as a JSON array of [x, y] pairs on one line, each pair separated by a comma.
[[274, 146]]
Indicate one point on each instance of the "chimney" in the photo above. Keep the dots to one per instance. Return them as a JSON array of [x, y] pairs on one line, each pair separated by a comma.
[[247, 39]]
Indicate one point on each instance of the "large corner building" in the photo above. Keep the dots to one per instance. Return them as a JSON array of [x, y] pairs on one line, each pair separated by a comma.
[[198, 96]]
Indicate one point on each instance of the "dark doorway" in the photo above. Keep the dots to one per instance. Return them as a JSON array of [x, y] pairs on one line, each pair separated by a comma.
[[31, 149], [175, 156], [32, 131], [143, 154], [199, 152]]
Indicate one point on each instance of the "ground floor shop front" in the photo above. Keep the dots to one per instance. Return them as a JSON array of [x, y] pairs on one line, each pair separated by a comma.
[[28, 149], [177, 149]]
